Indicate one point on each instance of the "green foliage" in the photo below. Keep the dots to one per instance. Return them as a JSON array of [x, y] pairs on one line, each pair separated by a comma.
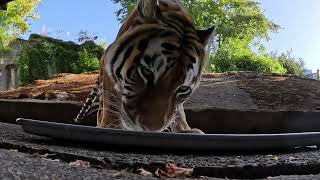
[[14, 21], [33, 62], [293, 66], [87, 62], [127, 6], [241, 25], [84, 36], [103, 44], [234, 18], [44, 57], [243, 59]]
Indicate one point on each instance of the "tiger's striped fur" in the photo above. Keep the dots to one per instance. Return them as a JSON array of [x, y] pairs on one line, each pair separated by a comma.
[[91, 105], [151, 68]]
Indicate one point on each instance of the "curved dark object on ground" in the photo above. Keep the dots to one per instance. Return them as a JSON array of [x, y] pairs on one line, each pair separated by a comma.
[[210, 120], [208, 142]]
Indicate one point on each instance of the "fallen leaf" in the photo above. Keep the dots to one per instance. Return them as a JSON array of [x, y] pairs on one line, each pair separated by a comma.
[[160, 172], [120, 172], [117, 174], [36, 154], [144, 172], [174, 171], [80, 163]]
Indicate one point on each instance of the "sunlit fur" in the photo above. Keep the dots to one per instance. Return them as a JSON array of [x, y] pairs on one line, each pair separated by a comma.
[[151, 68]]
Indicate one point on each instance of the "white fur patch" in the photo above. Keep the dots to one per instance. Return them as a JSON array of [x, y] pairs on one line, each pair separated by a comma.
[[154, 48], [194, 72]]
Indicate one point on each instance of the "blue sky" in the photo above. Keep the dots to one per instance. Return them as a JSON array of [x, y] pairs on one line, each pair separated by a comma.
[[300, 21], [66, 18]]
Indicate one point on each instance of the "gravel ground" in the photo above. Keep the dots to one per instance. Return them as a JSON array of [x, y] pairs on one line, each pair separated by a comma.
[[15, 165], [213, 164]]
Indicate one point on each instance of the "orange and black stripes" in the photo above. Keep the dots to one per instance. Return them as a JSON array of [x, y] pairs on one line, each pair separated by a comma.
[[154, 65]]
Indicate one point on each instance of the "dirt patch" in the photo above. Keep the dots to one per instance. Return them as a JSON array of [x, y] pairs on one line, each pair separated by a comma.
[[69, 87], [225, 91], [220, 92], [281, 92]]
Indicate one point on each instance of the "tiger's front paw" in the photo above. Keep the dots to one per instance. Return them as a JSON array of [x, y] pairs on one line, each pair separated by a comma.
[[193, 131]]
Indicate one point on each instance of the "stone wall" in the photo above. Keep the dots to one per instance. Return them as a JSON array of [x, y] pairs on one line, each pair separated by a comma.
[[9, 75]]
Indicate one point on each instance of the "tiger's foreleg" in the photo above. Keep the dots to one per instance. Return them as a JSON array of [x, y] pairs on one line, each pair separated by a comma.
[[181, 125]]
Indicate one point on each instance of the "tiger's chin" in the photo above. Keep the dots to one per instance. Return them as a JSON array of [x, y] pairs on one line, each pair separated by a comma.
[[139, 127], [133, 128]]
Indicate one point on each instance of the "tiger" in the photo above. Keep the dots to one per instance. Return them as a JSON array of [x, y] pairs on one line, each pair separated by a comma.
[[150, 70]]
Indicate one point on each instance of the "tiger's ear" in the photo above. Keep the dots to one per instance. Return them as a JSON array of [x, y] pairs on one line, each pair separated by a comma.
[[147, 8], [206, 36]]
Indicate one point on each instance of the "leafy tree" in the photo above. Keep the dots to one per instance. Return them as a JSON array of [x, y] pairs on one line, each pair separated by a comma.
[[234, 18], [42, 57], [14, 21], [235, 56], [127, 6], [86, 62], [84, 36], [241, 25], [293, 65], [102, 43]]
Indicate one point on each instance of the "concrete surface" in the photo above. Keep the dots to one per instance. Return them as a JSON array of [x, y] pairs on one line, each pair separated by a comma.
[[212, 164], [38, 109], [220, 93]]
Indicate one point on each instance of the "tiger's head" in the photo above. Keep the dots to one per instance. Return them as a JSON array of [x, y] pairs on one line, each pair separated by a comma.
[[156, 63]]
